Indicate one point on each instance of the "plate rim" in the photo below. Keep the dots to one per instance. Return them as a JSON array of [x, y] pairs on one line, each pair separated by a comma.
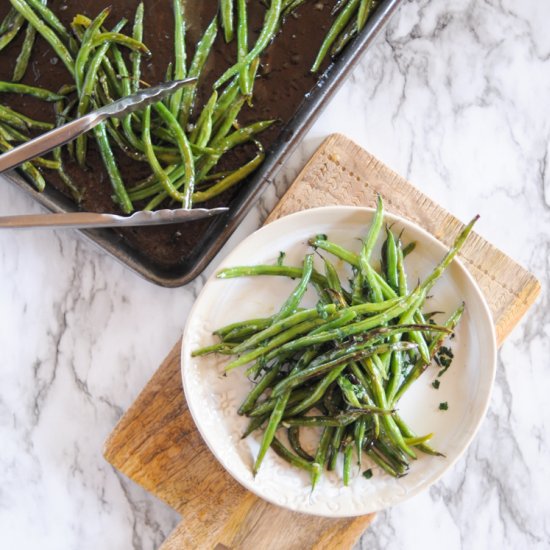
[[393, 218]]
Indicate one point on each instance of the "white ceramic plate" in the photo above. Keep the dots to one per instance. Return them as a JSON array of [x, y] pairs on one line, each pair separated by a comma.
[[214, 398]]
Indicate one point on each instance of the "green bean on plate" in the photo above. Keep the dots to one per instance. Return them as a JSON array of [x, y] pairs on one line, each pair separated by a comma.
[[316, 364]]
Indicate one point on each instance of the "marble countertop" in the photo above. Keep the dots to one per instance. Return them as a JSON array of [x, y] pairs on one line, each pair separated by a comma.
[[454, 96]]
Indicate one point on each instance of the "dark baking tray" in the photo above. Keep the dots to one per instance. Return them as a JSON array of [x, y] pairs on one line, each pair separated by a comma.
[[213, 234]]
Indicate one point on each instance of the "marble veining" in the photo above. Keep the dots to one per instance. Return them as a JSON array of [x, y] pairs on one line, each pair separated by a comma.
[[454, 97]]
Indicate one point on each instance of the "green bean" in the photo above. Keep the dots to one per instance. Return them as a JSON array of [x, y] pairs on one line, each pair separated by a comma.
[[293, 301], [339, 24], [154, 163], [135, 56], [276, 270], [344, 318], [408, 249], [298, 462], [40, 93], [225, 100], [270, 430], [348, 391], [380, 401], [67, 180], [408, 433], [250, 401], [335, 447], [294, 440], [265, 407], [240, 335], [12, 30], [12, 134], [382, 463], [245, 80], [359, 437], [10, 117], [402, 286], [344, 38], [46, 32], [22, 61], [27, 167], [350, 330], [366, 269], [226, 15], [203, 128], [254, 424], [317, 393], [436, 343], [333, 280], [180, 69], [222, 347], [368, 339], [389, 255], [221, 186], [415, 441], [51, 19], [34, 175], [118, 38], [292, 5], [8, 21], [21, 121], [347, 370], [279, 325], [320, 241], [229, 181], [363, 13], [321, 455], [428, 283], [199, 59], [86, 92], [393, 460], [184, 150], [396, 368], [314, 370], [112, 169], [259, 323], [270, 26], [86, 48], [276, 342], [348, 451], [229, 120], [240, 136]]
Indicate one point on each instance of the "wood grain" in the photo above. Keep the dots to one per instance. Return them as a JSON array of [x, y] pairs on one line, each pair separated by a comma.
[[156, 443]]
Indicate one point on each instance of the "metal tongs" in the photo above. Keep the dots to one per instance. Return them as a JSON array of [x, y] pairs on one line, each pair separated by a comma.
[[63, 134]]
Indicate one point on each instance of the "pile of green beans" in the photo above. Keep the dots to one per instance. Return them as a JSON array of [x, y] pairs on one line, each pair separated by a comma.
[[181, 141], [343, 365]]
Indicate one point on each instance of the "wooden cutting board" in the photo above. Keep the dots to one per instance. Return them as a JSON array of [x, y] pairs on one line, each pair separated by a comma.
[[156, 443]]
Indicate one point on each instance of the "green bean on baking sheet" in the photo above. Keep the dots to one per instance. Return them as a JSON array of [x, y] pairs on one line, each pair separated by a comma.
[[341, 367], [184, 148]]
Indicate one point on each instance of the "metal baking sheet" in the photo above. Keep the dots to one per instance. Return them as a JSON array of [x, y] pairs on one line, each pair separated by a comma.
[[219, 229]]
